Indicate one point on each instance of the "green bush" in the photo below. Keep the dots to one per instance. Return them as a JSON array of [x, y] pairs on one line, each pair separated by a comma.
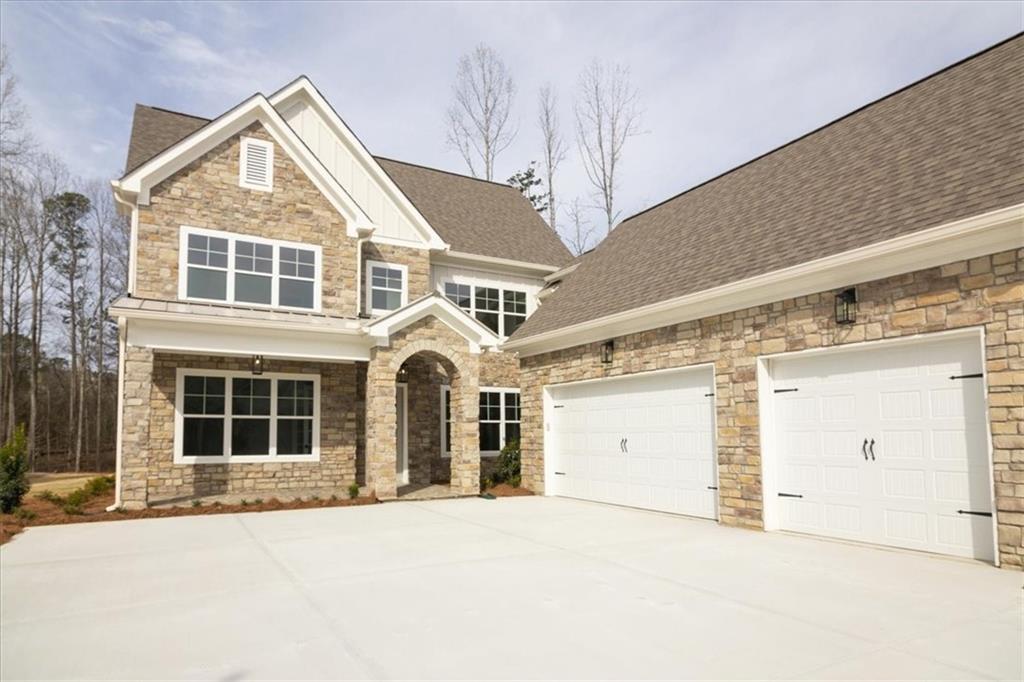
[[13, 471], [51, 497], [507, 467], [353, 490], [23, 514]]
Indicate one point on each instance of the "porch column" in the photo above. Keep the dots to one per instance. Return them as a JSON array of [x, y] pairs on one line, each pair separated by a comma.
[[381, 420], [135, 424], [465, 405]]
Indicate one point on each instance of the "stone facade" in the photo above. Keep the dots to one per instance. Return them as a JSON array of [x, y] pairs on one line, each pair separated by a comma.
[[149, 473], [206, 194], [983, 292], [428, 338], [416, 260]]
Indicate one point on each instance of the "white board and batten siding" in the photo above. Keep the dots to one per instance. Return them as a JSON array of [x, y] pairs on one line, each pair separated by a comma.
[[886, 444], [646, 441], [351, 174]]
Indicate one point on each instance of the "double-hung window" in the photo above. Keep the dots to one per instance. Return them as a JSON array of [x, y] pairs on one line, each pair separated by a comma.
[[500, 310], [387, 287], [499, 419], [239, 417], [231, 268]]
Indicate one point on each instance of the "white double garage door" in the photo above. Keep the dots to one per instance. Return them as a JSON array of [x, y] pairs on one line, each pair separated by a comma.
[[884, 443]]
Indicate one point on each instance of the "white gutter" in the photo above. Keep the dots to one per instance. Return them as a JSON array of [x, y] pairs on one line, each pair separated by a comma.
[[463, 258], [122, 333], [992, 232]]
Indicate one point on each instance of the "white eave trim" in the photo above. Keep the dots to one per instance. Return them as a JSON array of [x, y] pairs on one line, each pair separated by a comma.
[[349, 328], [992, 232], [444, 310], [303, 87], [135, 187], [491, 262]]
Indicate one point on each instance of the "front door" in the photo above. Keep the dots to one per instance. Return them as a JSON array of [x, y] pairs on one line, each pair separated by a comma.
[[401, 440]]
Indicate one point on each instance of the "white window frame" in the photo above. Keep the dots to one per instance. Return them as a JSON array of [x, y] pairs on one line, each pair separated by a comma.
[[272, 456], [243, 160], [472, 310], [446, 447], [368, 285], [275, 276]]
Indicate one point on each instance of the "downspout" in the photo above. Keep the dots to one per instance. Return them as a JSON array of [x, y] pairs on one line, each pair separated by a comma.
[[364, 234], [122, 335]]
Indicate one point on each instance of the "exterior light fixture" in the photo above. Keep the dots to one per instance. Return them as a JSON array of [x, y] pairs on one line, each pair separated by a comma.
[[403, 375], [256, 364], [846, 306], [607, 351]]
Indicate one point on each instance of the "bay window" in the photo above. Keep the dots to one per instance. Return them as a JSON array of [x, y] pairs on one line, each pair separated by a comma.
[[237, 417], [499, 419], [230, 268], [500, 310]]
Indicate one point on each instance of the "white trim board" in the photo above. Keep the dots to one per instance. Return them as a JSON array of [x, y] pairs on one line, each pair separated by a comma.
[[476, 334], [988, 233]]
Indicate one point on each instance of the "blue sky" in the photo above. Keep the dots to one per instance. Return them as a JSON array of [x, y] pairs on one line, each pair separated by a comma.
[[719, 83]]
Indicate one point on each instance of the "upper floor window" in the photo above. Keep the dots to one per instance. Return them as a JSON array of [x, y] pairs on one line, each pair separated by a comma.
[[386, 286], [500, 310], [256, 166], [219, 266]]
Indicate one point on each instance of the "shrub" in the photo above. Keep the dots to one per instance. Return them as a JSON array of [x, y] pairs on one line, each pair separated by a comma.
[[196, 503], [334, 498], [23, 514], [245, 502], [13, 471], [51, 497], [353, 490], [99, 485], [507, 468], [258, 500], [72, 509]]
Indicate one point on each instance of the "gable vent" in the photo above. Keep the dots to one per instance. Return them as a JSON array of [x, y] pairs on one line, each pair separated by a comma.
[[257, 164]]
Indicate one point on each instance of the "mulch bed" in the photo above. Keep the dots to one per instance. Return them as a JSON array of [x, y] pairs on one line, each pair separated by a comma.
[[505, 490], [48, 514]]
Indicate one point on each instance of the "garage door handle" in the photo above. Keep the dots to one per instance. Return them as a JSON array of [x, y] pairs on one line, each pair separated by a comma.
[[559, 473], [864, 449], [973, 513], [871, 448]]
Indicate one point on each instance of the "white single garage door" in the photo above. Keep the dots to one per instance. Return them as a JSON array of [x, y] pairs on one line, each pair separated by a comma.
[[642, 441], [887, 445]]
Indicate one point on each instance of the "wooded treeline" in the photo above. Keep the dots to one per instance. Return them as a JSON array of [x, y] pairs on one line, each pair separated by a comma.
[[63, 259]]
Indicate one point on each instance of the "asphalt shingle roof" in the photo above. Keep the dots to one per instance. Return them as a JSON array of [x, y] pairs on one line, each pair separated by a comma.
[[945, 148]]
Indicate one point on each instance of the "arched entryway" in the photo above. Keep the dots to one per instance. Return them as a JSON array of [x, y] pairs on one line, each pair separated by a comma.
[[420, 366]]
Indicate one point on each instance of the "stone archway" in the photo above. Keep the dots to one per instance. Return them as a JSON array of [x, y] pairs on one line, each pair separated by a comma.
[[435, 340]]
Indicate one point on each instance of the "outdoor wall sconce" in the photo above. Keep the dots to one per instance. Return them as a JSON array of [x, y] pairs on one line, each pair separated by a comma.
[[607, 350], [846, 306], [403, 375], [256, 364]]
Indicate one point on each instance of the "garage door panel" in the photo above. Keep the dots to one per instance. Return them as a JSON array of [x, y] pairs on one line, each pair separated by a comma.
[[925, 426], [652, 444]]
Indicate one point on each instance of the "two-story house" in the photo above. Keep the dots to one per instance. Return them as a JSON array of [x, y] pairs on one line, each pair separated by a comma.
[[303, 315]]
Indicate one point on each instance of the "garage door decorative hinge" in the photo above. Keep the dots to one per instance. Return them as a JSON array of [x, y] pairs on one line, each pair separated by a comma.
[[712, 487], [789, 495], [786, 390], [559, 406], [974, 513], [559, 473], [967, 376], [708, 395]]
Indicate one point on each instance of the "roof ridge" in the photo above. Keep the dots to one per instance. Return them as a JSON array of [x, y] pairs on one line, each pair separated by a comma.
[[827, 125], [172, 111], [441, 170]]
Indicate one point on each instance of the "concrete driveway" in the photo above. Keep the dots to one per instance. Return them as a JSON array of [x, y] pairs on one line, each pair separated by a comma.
[[512, 588]]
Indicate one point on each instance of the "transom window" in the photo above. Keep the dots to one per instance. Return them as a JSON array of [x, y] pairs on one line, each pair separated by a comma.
[[500, 310], [220, 266], [499, 419], [235, 416], [386, 286]]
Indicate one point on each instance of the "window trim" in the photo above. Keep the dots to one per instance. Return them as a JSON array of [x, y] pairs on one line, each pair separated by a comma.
[[179, 417], [500, 312], [275, 277], [243, 163], [368, 286], [446, 389]]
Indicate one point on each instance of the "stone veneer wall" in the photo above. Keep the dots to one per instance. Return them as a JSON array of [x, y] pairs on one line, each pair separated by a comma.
[[206, 194], [416, 260], [986, 291], [149, 473]]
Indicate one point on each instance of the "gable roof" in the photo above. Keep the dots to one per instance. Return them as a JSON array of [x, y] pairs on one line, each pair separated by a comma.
[[479, 217], [473, 216], [942, 150]]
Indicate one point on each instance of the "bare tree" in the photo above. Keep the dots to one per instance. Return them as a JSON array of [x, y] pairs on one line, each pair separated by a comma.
[[554, 145], [479, 121], [579, 231], [607, 114], [14, 137]]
